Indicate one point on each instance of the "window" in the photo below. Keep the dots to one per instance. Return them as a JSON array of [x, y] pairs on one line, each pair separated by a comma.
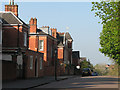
[[41, 45], [66, 42], [31, 62], [25, 39], [41, 59]]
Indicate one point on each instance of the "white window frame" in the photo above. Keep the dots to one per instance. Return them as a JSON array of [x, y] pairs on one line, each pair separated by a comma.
[[31, 62], [25, 39], [41, 61], [41, 45]]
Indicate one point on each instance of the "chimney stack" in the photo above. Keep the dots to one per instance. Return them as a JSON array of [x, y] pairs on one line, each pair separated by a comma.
[[33, 25], [9, 2], [12, 2], [54, 32], [11, 7]]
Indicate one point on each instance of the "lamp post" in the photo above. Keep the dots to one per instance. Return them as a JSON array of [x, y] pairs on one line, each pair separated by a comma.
[[55, 61]]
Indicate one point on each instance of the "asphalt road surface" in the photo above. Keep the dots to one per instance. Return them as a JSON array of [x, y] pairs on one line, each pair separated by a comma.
[[85, 82]]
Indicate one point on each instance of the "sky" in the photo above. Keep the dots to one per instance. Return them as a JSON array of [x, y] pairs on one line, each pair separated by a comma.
[[73, 17]]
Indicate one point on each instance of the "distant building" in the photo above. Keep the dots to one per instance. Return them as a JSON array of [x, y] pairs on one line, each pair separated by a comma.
[[75, 58], [65, 47], [65, 50]]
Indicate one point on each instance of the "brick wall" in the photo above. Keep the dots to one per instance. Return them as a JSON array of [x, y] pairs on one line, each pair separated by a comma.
[[10, 36], [8, 70], [31, 72]]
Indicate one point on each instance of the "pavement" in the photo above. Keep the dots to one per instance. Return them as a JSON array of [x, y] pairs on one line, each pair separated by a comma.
[[32, 83]]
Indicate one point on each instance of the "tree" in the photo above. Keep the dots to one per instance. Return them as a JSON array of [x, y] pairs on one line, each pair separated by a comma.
[[109, 12], [100, 69], [86, 64]]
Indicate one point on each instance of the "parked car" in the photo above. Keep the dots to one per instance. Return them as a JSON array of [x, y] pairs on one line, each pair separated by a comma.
[[86, 72], [94, 74]]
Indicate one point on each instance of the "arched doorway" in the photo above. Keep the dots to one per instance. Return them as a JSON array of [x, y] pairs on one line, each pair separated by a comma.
[[36, 67]]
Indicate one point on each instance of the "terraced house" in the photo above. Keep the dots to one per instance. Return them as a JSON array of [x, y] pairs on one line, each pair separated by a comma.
[[42, 40], [65, 50], [17, 60], [29, 51]]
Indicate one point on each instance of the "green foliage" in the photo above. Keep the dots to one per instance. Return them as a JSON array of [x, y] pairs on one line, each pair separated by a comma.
[[113, 70], [100, 69], [110, 71], [109, 12], [86, 64]]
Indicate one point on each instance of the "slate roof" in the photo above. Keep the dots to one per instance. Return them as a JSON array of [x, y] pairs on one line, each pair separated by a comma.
[[10, 18], [41, 32]]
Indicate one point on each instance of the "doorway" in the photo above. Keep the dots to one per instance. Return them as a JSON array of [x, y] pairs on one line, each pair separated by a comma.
[[36, 67]]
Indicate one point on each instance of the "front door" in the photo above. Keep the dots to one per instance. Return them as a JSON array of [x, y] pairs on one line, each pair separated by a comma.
[[36, 68]]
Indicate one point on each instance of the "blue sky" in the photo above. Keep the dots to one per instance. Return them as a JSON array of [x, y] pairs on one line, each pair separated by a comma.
[[83, 25]]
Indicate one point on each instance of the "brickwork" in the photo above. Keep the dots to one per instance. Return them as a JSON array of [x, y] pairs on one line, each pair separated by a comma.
[[31, 72], [12, 8], [11, 37], [54, 32]]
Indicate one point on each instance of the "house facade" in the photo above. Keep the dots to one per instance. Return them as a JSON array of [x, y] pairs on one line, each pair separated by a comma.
[[41, 40], [65, 50], [16, 58]]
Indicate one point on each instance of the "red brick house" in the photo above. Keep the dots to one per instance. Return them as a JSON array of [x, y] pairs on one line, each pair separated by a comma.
[[17, 60], [65, 50], [43, 41]]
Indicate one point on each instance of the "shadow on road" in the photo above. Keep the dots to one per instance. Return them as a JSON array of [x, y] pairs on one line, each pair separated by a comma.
[[95, 82]]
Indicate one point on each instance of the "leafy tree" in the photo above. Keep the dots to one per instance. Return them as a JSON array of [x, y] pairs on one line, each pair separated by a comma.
[[100, 69], [86, 64], [109, 12]]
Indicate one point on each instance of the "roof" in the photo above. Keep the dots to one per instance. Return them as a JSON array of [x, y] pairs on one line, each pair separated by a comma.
[[67, 36], [10, 18], [41, 32], [60, 44]]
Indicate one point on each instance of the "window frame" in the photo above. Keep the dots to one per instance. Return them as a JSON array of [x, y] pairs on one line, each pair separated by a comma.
[[25, 39], [41, 49]]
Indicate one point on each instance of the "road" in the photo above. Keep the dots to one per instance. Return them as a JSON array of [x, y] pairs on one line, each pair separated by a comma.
[[85, 82]]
